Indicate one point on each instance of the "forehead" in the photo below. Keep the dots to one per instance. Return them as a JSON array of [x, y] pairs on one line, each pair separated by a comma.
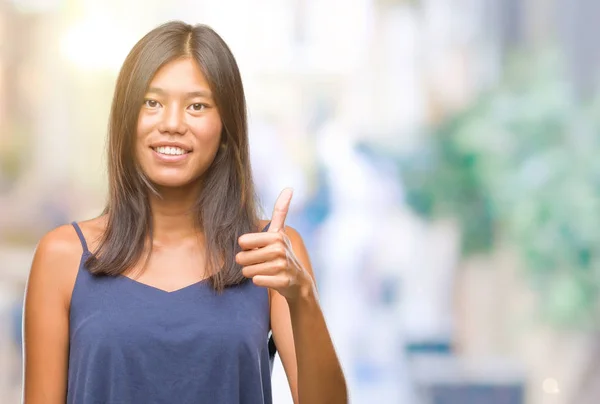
[[180, 75]]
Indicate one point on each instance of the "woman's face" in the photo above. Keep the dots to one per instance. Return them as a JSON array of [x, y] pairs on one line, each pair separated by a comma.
[[179, 126]]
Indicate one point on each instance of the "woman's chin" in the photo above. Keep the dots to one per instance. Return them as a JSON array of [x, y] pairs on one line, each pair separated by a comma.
[[172, 183]]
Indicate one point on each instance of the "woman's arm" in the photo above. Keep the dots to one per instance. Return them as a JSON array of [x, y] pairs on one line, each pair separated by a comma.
[[277, 259], [46, 318], [303, 341]]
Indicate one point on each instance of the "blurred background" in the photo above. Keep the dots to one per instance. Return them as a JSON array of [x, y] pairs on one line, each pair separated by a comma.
[[443, 155]]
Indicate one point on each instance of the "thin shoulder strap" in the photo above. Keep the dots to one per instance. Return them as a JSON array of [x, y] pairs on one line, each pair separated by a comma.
[[81, 238], [271, 341]]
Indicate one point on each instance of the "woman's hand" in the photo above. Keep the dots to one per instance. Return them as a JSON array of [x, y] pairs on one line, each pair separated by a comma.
[[268, 259]]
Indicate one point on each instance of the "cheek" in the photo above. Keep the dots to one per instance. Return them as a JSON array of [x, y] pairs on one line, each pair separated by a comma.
[[208, 133], [145, 124]]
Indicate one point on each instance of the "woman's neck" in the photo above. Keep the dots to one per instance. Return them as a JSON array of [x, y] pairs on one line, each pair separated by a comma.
[[174, 215]]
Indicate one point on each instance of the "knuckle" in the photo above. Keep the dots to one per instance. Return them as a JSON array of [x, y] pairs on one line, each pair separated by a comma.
[[281, 263], [279, 249]]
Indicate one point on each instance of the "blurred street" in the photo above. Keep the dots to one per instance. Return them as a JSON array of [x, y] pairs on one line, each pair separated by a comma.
[[443, 155]]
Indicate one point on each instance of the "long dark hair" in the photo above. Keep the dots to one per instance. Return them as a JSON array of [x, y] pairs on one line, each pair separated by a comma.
[[226, 207]]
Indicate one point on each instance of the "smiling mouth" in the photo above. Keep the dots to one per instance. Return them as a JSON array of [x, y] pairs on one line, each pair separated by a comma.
[[170, 150]]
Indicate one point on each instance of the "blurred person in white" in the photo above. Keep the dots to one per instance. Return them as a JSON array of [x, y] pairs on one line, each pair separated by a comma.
[[357, 201], [170, 294], [268, 145], [396, 293], [268, 150]]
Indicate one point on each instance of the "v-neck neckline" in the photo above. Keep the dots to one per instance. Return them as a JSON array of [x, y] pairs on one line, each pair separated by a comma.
[[163, 291]]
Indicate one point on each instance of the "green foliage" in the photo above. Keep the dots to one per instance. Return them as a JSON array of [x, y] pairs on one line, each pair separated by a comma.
[[523, 164]]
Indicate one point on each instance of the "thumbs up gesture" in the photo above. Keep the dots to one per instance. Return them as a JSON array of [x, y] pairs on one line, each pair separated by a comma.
[[268, 258]]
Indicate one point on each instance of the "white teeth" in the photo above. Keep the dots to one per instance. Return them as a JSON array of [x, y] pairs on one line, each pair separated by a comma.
[[171, 151]]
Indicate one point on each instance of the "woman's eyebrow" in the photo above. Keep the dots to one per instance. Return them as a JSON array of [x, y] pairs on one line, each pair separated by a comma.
[[191, 94]]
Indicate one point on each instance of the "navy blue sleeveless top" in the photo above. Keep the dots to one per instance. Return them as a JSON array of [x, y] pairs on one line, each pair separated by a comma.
[[131, 343]]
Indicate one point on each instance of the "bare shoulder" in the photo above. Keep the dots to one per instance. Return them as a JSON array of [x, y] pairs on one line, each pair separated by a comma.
[[46, 315], [56, 262], [293, 234], [58, 244], [93, 230]]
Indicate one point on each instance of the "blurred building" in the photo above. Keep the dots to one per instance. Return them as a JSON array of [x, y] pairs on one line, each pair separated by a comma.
[[325, 80]]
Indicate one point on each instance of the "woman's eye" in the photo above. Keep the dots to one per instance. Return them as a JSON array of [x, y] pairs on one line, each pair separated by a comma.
[[151, 103], [197, 107]]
